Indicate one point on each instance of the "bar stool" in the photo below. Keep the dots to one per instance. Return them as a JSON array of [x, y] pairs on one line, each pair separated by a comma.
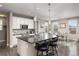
[[42, 47], [53, 44]]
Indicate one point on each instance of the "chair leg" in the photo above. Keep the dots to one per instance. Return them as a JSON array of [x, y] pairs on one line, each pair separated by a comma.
[[56, 53], [46, 53], [53, 52], [41, 53], [37, 53]]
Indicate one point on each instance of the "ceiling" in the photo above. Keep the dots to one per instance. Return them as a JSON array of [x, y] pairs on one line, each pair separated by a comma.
[[58, 10]]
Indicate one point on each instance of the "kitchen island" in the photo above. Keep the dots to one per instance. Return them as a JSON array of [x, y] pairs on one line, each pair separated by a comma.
[[25, 47]]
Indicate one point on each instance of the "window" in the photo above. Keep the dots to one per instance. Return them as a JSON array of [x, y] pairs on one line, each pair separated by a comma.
[[72, 26]]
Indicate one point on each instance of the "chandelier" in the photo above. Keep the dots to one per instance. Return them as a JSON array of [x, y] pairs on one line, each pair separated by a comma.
[[49, 18]]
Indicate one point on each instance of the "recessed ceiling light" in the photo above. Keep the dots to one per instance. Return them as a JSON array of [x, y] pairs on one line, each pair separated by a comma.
[[37, 8], [1, 5]]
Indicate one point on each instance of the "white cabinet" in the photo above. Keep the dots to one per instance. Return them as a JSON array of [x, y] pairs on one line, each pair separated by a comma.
[[29, 23], [14, 23], [17, 21], [14, 40], [25, 49]]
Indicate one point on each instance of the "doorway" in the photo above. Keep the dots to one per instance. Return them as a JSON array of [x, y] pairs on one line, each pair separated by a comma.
[[3, 32]]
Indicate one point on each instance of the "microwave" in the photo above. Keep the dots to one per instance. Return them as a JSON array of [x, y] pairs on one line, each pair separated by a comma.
[[23, 26]]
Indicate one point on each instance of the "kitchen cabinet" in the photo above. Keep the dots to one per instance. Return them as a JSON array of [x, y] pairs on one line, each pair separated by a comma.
[[14, 20], [14, 40], [25, 49], [17, 21]]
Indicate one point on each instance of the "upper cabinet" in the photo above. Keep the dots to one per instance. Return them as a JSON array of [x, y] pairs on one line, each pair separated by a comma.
[[17, 21]]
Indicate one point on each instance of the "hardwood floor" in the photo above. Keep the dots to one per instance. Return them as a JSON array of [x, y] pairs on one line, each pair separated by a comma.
[[6, 51], [63, 50], [68, 49]]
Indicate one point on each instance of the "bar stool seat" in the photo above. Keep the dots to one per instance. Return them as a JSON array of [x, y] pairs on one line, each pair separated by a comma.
[[42, 47]]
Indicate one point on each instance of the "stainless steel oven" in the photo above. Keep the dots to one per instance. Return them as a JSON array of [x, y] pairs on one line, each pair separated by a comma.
[[23, 26]]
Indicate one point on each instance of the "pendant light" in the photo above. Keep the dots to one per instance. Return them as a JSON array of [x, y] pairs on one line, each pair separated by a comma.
[[49, 18], [35, 19]]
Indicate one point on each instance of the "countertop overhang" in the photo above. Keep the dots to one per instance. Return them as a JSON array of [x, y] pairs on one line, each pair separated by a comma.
[[26, 39]]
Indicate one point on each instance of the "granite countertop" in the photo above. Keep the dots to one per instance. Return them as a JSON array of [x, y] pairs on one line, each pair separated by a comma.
[[27, 39], [33, 40]]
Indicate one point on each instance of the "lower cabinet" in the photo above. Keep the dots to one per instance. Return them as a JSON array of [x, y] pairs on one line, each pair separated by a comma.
[[25, 49]]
